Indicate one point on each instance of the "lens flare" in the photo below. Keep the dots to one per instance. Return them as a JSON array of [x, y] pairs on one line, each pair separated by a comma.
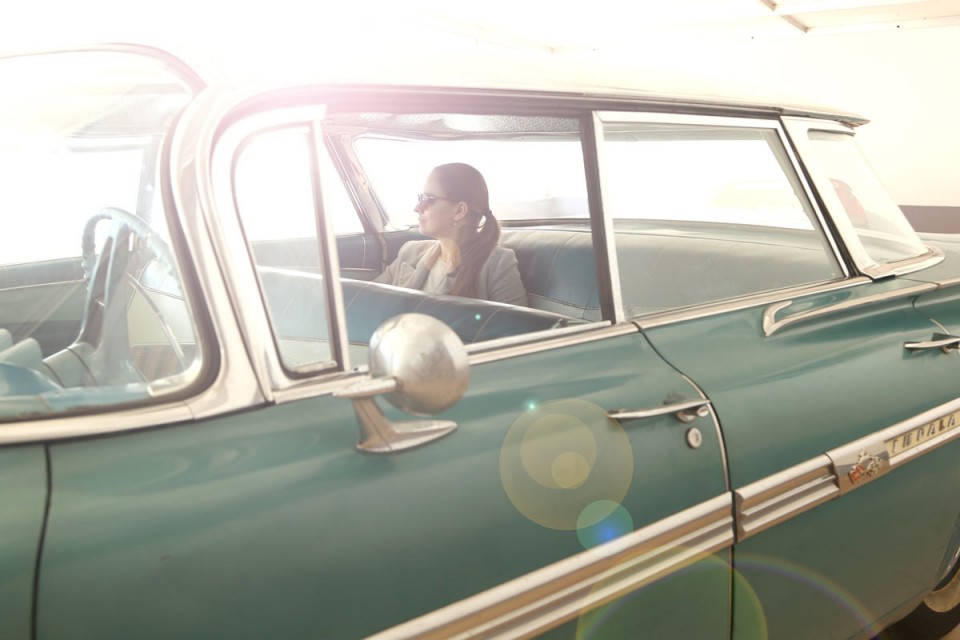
[[756, 565], [602, 521], [565, 465], [691, 602]]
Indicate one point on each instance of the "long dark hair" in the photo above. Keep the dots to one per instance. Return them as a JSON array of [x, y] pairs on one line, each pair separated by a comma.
[[479, 232]]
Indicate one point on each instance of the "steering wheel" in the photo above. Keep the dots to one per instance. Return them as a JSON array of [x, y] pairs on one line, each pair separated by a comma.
[[102, 345]]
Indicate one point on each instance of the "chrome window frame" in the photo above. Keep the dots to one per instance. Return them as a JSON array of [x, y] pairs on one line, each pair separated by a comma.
[[798, 177], [240, 272], [227, 381]]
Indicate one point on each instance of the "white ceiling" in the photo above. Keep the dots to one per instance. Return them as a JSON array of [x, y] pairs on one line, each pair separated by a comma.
[[616, 25]]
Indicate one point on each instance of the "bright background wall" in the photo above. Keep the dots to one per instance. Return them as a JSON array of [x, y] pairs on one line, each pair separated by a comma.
[[904, 80]]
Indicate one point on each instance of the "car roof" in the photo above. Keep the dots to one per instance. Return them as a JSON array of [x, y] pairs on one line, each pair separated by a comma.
[[526, 73]]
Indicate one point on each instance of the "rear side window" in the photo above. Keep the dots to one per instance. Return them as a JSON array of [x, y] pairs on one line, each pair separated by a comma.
[[707, 212]]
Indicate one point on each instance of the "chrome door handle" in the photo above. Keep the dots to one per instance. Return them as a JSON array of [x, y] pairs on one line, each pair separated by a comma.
[[942, 341], [683, 411]]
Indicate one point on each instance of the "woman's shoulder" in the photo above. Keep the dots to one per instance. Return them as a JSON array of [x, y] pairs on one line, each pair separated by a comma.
[[500, 254], [415, 248]]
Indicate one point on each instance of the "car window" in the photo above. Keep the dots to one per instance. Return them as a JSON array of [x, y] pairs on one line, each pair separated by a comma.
[[92, 312], [280, 205], [274, 170], [540, 276], [877, 221], [707, 212], [533, 168], [550, 184]]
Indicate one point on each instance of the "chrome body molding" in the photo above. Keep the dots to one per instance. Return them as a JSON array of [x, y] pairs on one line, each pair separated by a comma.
[[323, 386], [947, 284], [771, 324], [903, 441], [555, 594], [717, 308], [910, 265], [786, 494], [779, 497], [545, 341], [491, 351]]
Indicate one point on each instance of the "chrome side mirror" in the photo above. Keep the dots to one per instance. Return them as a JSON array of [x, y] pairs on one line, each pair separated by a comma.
[[420, 365]]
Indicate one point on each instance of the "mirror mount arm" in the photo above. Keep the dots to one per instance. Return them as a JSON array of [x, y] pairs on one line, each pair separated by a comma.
[[379, 434]]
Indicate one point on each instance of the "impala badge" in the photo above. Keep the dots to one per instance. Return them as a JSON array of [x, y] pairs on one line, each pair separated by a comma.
[[866, 464]]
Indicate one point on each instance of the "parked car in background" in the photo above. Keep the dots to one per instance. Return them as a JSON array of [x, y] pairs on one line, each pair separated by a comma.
[[729, 409]]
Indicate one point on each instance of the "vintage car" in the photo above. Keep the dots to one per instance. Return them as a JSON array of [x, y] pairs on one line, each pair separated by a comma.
[[728, 410]]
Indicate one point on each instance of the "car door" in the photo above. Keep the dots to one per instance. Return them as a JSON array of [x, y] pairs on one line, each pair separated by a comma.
[[811, 371], [61, 158], [578, 487], [23, 497]]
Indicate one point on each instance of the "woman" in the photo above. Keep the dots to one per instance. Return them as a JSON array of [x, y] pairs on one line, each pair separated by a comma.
[[464, 258]]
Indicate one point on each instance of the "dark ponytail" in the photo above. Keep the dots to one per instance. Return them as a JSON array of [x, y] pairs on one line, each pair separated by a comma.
[[479, 232]]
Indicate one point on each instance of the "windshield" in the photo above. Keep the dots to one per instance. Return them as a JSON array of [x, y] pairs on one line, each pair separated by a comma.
[[91, 309]]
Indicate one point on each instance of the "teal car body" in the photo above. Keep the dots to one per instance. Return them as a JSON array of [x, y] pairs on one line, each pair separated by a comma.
[[729, 409]]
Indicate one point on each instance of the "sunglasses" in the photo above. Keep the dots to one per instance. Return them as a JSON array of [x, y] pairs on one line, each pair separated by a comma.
[[425, 199]]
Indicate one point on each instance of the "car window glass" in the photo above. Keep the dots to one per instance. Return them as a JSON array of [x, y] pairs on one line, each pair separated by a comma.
[[533, 168], [550, 184], [279, 206], [878, 222], [92, 312], [277, 162], [539, 277], [706, 213]]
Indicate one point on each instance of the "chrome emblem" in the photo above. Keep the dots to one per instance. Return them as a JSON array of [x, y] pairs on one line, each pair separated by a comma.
[[866, 464]]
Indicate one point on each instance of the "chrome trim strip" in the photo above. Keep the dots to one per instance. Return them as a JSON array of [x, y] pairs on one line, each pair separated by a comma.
[[809, 192], [939, 425], [947, 284], [91, 425], [597, 141], [771, 325], [481, 353], [661, 117], [329, 259], [554, 339], [523, 338], [783, 495], [903, 267], [725, 306], [321, 386], [548, 597]]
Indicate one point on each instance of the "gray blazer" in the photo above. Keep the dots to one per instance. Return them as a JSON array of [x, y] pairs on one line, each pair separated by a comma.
[[499, 277]]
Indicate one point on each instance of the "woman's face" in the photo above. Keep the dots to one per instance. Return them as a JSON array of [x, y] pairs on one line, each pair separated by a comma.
[[439, 217]]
